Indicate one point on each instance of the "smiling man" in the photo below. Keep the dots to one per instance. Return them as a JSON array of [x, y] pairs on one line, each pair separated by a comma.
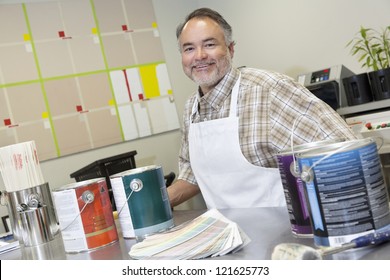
[[238, 120], [206, 53]]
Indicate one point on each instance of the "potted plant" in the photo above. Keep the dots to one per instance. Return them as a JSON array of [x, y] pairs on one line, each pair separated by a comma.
[[373, 50]]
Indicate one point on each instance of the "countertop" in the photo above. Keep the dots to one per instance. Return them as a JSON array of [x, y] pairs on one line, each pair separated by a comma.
[[266, 227]]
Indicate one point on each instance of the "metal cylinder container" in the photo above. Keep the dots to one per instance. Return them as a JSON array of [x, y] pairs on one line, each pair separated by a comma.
[[35, 229], [38, 204], [346, 191]]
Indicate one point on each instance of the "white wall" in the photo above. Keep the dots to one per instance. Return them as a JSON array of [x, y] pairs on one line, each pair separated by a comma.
[[298, 36], [291, 37]]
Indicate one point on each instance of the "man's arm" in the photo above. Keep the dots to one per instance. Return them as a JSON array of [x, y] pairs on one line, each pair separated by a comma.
[[181, 191]]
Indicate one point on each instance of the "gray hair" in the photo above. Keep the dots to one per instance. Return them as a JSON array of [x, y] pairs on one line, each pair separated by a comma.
[[213, 15]]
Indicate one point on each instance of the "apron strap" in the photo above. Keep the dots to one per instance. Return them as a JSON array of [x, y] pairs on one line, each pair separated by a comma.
[[234, 98]]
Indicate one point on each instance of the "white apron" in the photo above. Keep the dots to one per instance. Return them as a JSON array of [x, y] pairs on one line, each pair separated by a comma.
[[225, 177]]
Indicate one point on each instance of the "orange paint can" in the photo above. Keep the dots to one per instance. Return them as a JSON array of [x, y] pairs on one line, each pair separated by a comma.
[[85, 215]]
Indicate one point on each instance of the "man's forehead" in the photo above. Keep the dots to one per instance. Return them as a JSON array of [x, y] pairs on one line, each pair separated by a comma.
[[202, 29]]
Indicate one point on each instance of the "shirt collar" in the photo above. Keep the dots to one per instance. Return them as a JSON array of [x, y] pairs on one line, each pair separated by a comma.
[[217, 96]]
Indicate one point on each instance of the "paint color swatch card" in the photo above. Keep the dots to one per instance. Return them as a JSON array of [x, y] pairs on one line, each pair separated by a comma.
[[208, 235], [20, 167]]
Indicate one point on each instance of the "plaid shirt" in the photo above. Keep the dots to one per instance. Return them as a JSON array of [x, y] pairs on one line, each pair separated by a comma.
[[271, 107]]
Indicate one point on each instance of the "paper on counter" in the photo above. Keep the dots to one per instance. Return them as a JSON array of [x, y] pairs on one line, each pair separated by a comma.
[[8, 243], [208, 235]]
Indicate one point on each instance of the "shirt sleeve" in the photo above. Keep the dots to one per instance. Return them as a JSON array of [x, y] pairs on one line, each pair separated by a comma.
[[295, 111], [185, 170]]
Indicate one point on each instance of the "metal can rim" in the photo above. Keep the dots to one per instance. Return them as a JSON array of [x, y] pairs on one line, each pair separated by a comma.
[[308, 146], [137, 170], [331, 148], [84, 183]]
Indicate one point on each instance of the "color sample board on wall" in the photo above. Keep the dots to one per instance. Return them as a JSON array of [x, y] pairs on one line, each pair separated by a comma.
[[77, 75]]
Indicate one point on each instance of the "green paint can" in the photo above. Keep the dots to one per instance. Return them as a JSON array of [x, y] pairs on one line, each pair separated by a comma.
[[142, 201]]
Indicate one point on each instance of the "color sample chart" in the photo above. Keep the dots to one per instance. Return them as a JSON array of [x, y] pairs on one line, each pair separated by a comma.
[[78, 75]]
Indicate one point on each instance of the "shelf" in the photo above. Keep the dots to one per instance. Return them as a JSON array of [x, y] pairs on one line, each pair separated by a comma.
[[362, 108]]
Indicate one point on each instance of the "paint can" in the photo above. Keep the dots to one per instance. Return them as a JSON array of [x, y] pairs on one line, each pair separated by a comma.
[[296, 201], [34, 224], [32, 215], [346, 191], [142, 201], [85, 215]]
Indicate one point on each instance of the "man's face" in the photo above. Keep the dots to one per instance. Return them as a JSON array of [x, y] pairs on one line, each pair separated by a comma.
[[205, 57]]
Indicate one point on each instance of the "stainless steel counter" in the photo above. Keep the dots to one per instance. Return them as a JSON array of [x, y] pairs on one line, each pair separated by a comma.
[[266, 227]]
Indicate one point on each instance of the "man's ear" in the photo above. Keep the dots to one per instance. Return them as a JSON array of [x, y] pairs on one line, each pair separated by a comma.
[[231, 49]]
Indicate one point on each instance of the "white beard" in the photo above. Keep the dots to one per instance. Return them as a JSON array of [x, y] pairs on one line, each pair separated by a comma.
[[210, 80]]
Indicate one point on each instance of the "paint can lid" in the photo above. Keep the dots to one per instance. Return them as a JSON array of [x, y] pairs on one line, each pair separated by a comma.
[[136, 171], [335, 148], [308, 146], [80, 184]]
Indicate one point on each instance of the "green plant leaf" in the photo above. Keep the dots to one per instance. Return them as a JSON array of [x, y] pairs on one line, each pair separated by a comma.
[[371, 47]]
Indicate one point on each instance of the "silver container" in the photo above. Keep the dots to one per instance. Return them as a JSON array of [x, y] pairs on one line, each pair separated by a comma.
[[35, 197], [35, 226]]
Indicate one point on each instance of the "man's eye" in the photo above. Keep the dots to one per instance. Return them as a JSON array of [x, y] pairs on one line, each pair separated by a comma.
[[211, 45], [188, 49]]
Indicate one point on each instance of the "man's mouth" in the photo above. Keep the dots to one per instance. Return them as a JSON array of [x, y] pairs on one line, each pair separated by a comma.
[[202, 66]]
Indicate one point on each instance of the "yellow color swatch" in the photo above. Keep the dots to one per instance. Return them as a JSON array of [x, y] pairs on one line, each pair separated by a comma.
[[111, 102], [94, 30], [45, 115], [149, 81], [26, 37], [154, 24]]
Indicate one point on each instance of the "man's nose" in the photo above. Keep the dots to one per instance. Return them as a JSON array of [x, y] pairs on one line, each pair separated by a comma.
[[200, 53]]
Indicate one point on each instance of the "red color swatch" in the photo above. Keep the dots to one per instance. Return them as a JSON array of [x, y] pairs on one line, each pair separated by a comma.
[[7, 122], [127, 84]]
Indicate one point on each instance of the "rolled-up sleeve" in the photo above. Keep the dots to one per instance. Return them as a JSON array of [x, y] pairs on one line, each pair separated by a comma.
[[296, 111], [185, 170]]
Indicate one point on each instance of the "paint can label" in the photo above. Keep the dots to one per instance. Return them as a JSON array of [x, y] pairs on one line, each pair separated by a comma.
[[118, 190], [294, 191], [346, 192], [85, 215], [296, 202]]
